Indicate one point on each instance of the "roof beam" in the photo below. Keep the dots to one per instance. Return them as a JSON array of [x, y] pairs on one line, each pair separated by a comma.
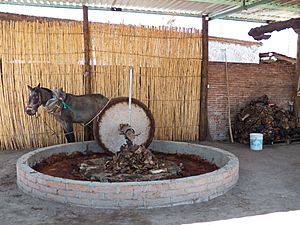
[[261, 33]]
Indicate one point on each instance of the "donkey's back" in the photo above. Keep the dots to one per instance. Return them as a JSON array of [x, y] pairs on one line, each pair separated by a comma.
[[85, 107]]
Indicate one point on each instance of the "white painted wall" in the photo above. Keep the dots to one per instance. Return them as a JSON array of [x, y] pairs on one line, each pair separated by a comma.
[[234, 52]]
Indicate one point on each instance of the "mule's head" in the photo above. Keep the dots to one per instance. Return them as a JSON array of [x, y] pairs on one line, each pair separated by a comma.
[[34, 100]]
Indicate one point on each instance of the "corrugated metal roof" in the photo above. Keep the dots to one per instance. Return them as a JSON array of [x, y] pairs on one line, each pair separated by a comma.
[[264, 15], [248, 10], [264, 10]]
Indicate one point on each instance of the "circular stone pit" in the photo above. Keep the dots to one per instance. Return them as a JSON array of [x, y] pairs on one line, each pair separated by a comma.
[[117, 195]]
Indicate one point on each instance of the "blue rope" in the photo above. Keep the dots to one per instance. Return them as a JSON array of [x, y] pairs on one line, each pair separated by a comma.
[[66, 106]]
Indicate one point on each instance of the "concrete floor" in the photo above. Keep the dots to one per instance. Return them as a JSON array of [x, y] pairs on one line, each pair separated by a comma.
[[269, 182]]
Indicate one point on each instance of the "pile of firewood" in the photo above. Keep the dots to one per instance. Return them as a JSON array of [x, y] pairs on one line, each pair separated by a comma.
[[259, 116]]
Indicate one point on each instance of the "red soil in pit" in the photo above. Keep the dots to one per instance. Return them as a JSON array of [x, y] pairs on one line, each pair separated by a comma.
[[66, 166]]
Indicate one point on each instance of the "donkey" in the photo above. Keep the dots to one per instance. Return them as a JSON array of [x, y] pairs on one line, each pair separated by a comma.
[[66, 108]]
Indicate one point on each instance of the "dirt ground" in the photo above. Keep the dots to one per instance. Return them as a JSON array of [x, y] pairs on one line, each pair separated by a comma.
[[269, 182]]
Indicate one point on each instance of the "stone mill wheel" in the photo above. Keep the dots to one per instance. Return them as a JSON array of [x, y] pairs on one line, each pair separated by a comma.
[[106, 125]]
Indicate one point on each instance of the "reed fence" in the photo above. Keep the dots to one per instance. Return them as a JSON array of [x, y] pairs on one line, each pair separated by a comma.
[[166, 70]]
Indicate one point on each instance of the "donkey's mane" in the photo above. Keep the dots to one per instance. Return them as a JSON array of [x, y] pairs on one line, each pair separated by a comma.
[[46, 89]]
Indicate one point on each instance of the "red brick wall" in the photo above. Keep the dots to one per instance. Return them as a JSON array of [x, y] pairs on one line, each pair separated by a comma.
[[246, 81]]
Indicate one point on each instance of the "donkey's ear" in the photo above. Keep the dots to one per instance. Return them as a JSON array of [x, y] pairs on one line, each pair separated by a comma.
[[30, 88], [39, 85]]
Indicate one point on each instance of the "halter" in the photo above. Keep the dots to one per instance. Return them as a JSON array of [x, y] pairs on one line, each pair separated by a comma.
[[36, 105]]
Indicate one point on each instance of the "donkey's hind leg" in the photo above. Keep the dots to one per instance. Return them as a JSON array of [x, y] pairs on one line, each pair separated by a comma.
[[88, 132], [68, 131]]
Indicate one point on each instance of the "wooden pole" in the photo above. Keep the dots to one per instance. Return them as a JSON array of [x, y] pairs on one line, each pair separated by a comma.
[[203, 126], [87, 66], [298, 59], [228, 96], [297, 94]]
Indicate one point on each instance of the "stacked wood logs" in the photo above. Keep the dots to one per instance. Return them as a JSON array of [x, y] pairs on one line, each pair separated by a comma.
[[259, 116]]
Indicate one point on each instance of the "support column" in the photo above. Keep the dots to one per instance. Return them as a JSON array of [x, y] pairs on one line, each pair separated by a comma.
[[203, 126], [298, 59], [297, 94], [87, 67]]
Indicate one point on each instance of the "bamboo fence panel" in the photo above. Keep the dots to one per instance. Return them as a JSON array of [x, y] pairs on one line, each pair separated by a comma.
[[166, 73], [32, 52], [166, 67]]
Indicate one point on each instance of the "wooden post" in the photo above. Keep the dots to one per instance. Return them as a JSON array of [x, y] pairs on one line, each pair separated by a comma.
[[203, 126], [297, 97], [298, 59], [87, 66]]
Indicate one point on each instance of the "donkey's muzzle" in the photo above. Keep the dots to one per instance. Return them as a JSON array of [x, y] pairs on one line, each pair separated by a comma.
[[30, 110]]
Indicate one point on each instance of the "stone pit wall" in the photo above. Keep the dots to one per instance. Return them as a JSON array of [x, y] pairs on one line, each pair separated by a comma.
[[149, 194]]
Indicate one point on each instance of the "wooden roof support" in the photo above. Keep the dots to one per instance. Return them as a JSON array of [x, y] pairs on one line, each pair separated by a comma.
[[203, 126], [87, 67], [259, 33], [297, 95], [298, 59]]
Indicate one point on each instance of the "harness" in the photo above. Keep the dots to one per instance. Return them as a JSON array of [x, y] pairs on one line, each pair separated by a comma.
[[57, 103]]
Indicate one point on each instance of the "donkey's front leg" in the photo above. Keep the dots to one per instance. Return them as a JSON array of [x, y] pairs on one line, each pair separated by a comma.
[[68, 131]]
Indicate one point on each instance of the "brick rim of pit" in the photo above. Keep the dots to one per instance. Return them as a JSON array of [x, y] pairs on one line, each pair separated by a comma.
[[121, 195]]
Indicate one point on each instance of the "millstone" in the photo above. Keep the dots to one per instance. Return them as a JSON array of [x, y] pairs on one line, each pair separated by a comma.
[[106, 126]]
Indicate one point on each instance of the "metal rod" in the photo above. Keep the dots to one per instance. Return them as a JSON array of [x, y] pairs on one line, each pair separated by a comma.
[[130, 94]]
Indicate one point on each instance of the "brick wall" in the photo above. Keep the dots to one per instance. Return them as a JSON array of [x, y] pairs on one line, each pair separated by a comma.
[[246, 81]]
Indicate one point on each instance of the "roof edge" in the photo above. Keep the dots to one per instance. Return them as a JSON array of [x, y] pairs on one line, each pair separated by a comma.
[[235, 41]]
